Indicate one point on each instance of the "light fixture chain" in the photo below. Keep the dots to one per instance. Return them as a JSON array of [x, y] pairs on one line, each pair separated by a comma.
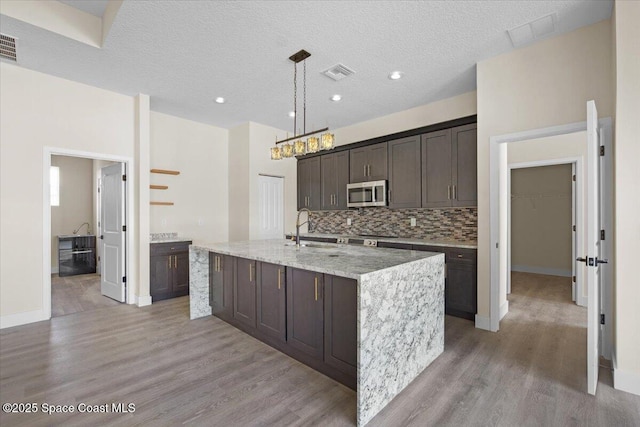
[[295, 96], [304, 102]]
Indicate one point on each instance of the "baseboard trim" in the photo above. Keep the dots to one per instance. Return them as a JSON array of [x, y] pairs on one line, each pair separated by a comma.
[[483, 322], [18, 319], [504, 309], [143, 300], [625, 381], [542, 270]]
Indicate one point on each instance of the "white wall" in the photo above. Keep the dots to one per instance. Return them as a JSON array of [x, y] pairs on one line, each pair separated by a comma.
[[201, 192], [239, 182], [542, 85], [76, 201], [627, 202], [39, 110], [541, 219]]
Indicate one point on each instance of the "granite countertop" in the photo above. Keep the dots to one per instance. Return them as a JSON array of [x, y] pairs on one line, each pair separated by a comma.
[[167, 238], [349, 261], [462, 244]]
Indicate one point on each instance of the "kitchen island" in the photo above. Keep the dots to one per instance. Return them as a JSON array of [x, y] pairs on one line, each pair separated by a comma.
[[398, 298]]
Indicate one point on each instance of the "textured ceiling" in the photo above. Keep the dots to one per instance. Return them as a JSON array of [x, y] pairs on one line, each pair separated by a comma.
[[184, 54]]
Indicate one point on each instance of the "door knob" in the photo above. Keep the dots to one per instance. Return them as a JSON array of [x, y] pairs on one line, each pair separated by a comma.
[[582, 260], [602, 261]]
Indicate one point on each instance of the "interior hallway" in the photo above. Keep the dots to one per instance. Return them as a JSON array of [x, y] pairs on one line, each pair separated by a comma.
[[205, 372], [73, 294]]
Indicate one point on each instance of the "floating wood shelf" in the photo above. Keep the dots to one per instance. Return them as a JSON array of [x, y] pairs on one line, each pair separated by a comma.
[[162, 203], [164, 171], [158, 187]]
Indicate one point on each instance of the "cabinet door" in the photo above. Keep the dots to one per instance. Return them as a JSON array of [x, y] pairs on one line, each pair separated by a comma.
[[221, 269], [328, 181], [342, 179], [341, 323], [305, 311], [271, 300], [461, 290], [436, 169], [358, 162], [405, 190], [377, 162], [244, 292], [160, 277], [309, 183], [465, 155], [180, 279]]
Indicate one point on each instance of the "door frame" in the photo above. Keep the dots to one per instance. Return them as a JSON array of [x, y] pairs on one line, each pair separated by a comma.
[[497, 240], [46, 215], [577, 216]]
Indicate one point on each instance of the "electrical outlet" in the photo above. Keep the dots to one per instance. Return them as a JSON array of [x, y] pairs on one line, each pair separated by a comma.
[[348, 221], [164, 222], [413, 222], [200, 222]]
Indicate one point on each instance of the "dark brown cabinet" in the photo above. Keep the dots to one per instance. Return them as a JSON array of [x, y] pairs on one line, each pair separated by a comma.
[[305, 311], [368, 163], [221, 274], [271, 300], [340, 323], [334, 176], [244, 292], [449, 167], [404, 173], [309, 183], [169, 270], [461, 281]]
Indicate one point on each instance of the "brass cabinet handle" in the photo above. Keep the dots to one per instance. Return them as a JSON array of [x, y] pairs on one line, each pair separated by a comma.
[[316, 286], [169, 259], [448, 192], [364, 167], [175, 261], [250, 272], [454, 193], [279, 273]]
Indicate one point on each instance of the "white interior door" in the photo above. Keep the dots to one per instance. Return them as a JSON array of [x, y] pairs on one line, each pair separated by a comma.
[[112, 238], [592, 257], [271, 207]]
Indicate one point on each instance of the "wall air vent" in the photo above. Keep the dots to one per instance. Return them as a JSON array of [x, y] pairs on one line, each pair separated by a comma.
[[338, 72], [8, 47]]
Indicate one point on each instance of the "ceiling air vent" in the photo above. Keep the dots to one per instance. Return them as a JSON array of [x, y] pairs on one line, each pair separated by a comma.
[[7, 47], [534, 30], [338, 72]]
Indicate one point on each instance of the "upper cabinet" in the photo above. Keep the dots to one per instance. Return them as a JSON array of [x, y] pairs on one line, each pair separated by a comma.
[[404, 172], [368, 163], [309, 183], [334, 174], [449, 167]]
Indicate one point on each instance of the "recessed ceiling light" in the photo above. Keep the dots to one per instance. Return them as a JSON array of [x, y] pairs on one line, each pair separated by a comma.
[[336, 98], [292, 113], [220, 100], [395, 75]]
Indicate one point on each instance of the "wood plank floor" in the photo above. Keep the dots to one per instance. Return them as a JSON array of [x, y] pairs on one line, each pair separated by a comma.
[[73, 294], [206, 373]]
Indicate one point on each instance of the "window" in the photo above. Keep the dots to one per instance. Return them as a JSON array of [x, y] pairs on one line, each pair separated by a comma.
[[54, 182]]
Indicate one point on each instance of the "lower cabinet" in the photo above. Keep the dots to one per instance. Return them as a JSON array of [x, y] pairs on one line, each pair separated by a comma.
[[305, 311], [271, 300], [244, 292], [461, 280], [310, 316], [341, 323], [169, 270]]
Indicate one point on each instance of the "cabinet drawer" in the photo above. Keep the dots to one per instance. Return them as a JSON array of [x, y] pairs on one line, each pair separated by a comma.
[[169, 248], [425, 248], [394, 245], [462, 255]]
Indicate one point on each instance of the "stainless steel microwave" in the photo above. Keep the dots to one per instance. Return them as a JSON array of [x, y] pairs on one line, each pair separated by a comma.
[[365, 194]]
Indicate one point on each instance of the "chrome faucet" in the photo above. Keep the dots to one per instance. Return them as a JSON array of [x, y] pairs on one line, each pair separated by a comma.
[[88, 228], [298, 225]]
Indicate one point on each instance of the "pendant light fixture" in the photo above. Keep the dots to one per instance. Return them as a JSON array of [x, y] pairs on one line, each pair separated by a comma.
[[313, 144]]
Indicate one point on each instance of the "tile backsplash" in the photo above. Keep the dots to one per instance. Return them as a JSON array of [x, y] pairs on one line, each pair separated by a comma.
[[443, 223]]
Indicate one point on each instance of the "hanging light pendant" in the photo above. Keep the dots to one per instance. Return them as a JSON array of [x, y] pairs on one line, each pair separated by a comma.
[[313, 144]]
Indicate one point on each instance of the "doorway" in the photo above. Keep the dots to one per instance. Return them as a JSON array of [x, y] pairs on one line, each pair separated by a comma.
[[271, 190], [79, 193]]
